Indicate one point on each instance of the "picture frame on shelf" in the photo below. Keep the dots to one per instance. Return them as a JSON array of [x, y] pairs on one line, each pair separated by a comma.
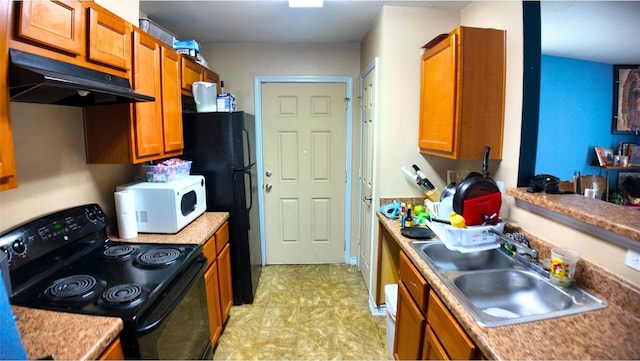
[[605, 156], [634, 155], [626, 99]]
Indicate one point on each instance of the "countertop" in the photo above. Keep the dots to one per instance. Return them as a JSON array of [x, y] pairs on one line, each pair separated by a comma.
[[606, 334], [620, 220], [64, 336], [68, 336], [197, 232]]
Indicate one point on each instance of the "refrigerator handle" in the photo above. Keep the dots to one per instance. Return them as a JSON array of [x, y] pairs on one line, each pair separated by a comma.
[[246, 134], [250, 191]]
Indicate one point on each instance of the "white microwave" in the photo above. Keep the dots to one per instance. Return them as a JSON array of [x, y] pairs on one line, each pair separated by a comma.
[[168, 207]]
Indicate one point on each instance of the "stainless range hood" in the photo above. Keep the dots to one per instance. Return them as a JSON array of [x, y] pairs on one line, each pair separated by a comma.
[[37, 79]]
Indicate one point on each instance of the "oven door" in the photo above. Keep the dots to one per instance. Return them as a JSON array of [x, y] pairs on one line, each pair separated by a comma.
[[178, 330]]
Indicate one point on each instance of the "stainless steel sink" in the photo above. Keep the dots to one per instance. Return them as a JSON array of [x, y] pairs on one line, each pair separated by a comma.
[[497, 290], [446, 260]]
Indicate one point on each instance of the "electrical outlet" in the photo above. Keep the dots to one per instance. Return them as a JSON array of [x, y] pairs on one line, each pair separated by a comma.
[[633, 259]]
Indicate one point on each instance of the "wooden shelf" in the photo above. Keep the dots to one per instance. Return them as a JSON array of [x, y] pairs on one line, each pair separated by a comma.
[[612, 167]]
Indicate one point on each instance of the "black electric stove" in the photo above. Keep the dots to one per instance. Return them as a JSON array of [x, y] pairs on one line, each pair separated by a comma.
[[65, 262]]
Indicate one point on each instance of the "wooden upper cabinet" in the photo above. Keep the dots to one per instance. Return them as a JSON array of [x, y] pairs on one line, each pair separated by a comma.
[[109, 38], [145, 131], [8, 178], [57, 24], [147, 80], [462, 94], [171, 101], [191, 72]]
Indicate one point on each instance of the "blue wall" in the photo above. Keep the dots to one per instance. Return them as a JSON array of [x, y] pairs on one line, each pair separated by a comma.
[[576, 102]]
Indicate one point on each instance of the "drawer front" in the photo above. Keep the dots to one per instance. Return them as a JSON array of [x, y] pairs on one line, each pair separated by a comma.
[[209, 249], [416, 285], [222, 236], [451, 336]]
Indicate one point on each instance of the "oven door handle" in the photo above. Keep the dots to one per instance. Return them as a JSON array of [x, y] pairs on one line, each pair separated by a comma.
[[157, 322]]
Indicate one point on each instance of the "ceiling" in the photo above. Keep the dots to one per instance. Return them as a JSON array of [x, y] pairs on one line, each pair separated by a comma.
[[601, 31], [272, 20]]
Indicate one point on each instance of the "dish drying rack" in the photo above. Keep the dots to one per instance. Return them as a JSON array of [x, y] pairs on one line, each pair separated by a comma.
[[465, 240]]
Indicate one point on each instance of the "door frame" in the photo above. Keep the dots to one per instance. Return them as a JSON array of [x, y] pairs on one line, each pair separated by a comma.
[[257, 90]]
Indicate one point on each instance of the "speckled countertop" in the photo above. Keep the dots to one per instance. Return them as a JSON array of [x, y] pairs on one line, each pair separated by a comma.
[[68, 336], [606, 334], [197, 232], [611, 217], [64, 336]]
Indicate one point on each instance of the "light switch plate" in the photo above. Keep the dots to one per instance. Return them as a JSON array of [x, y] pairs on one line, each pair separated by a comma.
[[633, 259]]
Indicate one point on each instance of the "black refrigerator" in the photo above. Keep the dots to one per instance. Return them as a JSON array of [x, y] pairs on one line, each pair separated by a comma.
[[222, 149]]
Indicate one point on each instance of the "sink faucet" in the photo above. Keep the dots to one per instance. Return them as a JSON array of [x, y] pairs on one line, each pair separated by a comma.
[[520, 247]]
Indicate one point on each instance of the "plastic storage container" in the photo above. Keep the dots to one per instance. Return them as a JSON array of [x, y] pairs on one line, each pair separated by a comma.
[[158, 31], [391, 305]]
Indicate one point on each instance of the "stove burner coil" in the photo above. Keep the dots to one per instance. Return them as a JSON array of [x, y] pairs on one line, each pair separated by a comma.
[[118, 251], [71, 288], [159, 257], [121, 294]]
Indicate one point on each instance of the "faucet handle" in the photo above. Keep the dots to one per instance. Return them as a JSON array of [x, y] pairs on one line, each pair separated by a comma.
[[518, 237]]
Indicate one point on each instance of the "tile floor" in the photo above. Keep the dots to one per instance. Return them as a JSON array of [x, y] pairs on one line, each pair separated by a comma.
[[305, 312]]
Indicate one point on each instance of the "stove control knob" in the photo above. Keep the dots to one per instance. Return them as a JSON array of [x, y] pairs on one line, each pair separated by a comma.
[[18, 246], [90, 215]]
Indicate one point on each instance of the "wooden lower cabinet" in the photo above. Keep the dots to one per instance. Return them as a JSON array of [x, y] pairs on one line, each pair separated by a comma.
[[224, 281], [453, 340], [113, 351], [432, 349], [425, 329], [410, 326], [410, 314], [217, 279], [213, 303]]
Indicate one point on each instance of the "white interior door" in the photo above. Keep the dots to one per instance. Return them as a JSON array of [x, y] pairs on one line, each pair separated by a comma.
[[304, 172], [365, 238]]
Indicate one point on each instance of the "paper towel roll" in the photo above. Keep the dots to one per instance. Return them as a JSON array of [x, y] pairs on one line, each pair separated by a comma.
[[126, 214]]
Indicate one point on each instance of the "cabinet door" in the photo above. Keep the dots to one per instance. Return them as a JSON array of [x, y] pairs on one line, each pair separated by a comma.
[[448, 331], [432, 348], [109, 38], [171, 102], [146, 80], [410, 327], [191, 72], [113, 352], [57, 24], [8, 178], [224, 278], [438, 97], [462, 94], [213, 302], [211, 77]]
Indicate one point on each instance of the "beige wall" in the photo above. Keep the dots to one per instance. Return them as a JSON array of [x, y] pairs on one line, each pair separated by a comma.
[[398, 117], [51, 165], [50, 158], [396, 39], [508, 15], [239, 63]]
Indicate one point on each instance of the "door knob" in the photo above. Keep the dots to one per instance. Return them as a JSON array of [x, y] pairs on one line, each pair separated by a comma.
[[268, 187], [268, 173]]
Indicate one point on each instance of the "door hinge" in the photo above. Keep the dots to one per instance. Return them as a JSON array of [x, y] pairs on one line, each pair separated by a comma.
[[346, 102]]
